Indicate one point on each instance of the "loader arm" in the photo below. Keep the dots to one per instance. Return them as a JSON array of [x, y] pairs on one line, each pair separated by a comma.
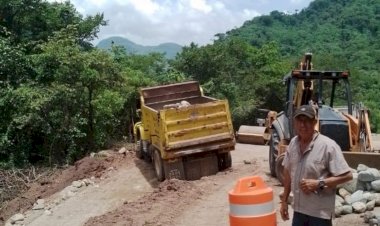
[[364, 131]]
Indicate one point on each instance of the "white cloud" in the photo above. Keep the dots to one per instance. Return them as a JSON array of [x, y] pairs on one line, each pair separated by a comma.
[[200, 5], [151, 22], [98, 3], [147, 7], [250, 13]]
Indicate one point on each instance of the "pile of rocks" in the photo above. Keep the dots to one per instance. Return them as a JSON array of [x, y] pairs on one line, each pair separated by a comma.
[[360, 195], [41, 205], [179, 105]]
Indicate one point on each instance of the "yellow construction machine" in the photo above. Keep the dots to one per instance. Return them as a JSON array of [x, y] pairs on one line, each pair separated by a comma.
[[260, 134], [338, 118], [184, 133]]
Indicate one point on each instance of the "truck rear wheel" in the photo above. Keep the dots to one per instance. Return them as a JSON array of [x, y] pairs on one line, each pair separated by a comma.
[[273, 151], [158, 165], [224, 161]]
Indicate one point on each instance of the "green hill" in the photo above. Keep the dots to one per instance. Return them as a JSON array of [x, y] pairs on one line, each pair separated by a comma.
[[169, 49], [346, 30], [246, 64]]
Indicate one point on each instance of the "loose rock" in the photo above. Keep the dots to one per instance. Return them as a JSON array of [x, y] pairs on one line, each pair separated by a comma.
[[39, 205], [359, 207], [370, 205], [343, 192], [123, 150], [77, 184], [16, 218], [376, 185]]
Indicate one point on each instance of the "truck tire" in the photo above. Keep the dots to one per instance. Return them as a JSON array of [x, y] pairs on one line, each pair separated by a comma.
[[158, 165], [139, 152], [224, 161], [280, 168], [273, 151]]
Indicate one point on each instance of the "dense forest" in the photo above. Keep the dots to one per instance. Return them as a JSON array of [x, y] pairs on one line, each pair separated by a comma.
[[341, 34], [61, 98]]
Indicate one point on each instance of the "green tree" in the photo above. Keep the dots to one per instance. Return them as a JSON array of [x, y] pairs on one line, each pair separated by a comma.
[[237, 71], [86, 78], [31, 22]]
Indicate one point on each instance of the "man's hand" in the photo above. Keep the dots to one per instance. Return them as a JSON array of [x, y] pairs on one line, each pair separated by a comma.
[[309, 185], [284, 211]]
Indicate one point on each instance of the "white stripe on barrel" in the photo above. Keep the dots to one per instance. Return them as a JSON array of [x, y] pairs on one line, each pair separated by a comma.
[[252, 210]]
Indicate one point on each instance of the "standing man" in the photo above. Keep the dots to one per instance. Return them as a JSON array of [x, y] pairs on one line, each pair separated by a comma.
[[313, 166]]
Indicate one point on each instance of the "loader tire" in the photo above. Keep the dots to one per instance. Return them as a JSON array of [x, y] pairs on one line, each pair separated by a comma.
[[158, 165], [280, 168], [224, 161], [139, 152], [273, 151]]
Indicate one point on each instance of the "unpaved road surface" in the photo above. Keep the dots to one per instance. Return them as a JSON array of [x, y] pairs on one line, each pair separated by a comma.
[[125, 184], [130, 195]]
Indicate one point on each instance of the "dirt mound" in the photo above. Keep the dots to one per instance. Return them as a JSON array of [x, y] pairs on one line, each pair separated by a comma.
[[153, 209], [85, 168]]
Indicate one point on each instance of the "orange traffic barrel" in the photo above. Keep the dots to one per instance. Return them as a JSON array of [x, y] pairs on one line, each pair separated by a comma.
[[251, 203]]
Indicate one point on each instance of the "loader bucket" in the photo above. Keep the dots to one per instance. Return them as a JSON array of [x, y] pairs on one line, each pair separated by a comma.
[[253, 135], [370, 159]]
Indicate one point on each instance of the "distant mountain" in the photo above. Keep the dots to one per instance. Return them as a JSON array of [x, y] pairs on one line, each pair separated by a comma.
[[169, 49]]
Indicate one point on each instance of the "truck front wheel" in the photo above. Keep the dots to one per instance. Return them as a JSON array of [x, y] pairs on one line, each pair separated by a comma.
[[158, 165]]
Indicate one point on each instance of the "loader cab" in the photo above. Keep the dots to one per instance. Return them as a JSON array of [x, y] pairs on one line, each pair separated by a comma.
[[325, 90]]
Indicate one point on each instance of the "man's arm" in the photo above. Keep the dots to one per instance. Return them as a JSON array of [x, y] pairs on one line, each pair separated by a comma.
[[285, 195], [333, 181], [286, 184], [311, 185]]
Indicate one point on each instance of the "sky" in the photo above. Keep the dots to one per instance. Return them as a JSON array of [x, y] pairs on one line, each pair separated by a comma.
[[153, 22]]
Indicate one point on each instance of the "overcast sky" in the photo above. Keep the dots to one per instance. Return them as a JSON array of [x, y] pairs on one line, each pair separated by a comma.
[[152, 22]]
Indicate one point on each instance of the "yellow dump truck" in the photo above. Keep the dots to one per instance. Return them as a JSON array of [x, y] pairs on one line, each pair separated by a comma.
[[185, 134]]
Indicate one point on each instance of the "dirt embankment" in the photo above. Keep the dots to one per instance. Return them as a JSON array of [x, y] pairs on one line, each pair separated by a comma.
[[61, 177]]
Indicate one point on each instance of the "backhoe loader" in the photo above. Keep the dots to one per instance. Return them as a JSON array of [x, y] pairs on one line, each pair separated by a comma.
[[338, 118]]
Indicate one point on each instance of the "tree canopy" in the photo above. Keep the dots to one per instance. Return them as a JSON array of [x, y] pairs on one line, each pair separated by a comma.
[[341, 34], [61, 98]]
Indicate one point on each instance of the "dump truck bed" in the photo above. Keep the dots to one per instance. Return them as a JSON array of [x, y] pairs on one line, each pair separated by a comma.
[[202, 125]]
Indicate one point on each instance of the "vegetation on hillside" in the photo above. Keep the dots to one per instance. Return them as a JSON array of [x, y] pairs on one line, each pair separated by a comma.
[[235, 70], [341, 34], [61, 98]]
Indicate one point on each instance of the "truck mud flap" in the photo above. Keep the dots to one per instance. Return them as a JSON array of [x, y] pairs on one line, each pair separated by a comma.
[[197, 167], [174, 169]]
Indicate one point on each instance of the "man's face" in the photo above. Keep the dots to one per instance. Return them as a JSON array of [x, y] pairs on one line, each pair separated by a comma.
[[304, 126]]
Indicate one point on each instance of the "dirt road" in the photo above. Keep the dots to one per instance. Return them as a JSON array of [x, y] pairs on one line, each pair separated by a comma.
[[122, 185], [131, 195]]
